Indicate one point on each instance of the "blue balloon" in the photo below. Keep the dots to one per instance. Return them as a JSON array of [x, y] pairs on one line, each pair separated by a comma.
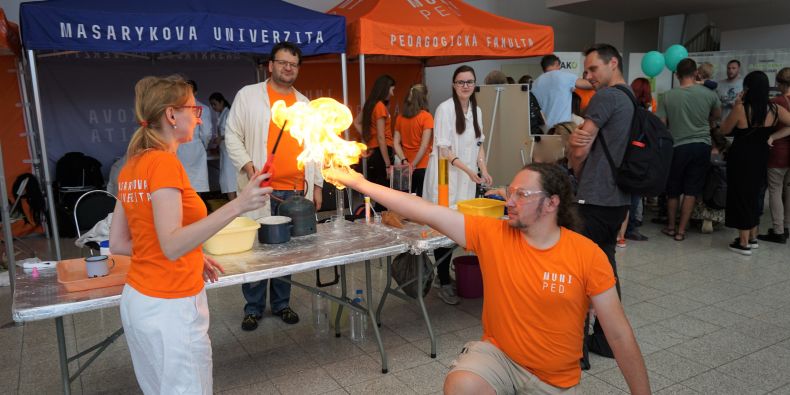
[[652, 63], [673, 55]]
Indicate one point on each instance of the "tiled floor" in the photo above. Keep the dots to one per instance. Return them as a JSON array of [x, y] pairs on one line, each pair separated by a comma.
[[707, 320]]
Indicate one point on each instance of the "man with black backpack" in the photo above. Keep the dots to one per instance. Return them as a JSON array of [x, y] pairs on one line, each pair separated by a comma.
[[601, 202]]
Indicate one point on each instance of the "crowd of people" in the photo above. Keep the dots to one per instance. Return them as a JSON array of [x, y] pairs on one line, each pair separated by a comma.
[[544, 267]]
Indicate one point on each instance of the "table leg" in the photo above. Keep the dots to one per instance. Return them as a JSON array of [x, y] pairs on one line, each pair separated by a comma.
[[421, 303], [342, 297], [387, 290], [64, 364], [372, 316]]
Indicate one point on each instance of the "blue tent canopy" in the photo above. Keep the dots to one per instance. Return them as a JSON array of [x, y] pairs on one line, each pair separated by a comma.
[[247, 26]]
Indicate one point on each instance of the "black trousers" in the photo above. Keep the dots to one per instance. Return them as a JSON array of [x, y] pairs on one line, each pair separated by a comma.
[[601, 224]]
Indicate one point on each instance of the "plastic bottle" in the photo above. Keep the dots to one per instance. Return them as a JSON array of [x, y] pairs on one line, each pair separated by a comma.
[[320, 315], [359, 321], [361, 297], [104, 247]]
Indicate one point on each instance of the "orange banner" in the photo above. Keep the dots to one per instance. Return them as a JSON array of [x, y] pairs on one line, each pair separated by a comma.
[[452, 28], [12, 128]]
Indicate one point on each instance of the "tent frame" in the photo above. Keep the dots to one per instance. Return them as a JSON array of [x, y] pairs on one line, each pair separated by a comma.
[[43, 161]]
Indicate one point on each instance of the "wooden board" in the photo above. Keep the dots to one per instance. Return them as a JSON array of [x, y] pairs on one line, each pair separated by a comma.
[[511, 129]]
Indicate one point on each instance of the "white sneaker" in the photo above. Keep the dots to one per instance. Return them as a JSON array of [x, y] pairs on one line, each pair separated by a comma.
[[447, 294]]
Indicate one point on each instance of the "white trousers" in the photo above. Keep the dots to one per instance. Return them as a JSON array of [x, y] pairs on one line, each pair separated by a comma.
[[169, 343]]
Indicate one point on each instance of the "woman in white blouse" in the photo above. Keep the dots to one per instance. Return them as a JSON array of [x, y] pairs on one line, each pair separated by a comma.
[[227, 173], [459, 135]]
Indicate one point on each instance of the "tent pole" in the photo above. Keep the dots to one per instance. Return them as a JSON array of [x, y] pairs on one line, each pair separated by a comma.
[[53, 222], [490, 137], [362, 104], [30, 135], [344, 76], [344, 72], [6, 216]]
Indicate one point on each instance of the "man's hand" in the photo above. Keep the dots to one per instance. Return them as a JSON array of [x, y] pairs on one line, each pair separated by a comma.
[[318, 196], [580, 138], [343, 177], [249, 170]]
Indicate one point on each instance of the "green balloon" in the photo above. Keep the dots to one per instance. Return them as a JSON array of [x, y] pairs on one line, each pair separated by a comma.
[[652, 63], [673, 55]]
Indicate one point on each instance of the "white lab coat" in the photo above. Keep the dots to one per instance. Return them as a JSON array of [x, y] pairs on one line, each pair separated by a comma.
[[227, 172], [464, 145], [193, 154], [247, 139]]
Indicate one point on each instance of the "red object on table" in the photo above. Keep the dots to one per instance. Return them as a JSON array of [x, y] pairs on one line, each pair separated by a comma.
[[268, 167]]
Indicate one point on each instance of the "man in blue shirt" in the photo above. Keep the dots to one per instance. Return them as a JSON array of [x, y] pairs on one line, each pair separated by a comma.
[[553, 90]]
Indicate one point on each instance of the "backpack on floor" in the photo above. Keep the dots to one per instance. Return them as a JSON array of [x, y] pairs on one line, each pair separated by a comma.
[[404, 269], [715, 193], [648, 155]]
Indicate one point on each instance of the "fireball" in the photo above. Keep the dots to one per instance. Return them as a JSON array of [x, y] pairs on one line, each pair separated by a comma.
[[317, 127]]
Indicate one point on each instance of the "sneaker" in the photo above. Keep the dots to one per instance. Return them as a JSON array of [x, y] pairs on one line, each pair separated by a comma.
[[447, 295], [753, 243], [773, 237], [250, 322], [621, 243], [636, 236], [736, 246], [288, 316]]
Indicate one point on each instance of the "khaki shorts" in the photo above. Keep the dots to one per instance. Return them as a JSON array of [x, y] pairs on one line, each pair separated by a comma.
[[507, 377]]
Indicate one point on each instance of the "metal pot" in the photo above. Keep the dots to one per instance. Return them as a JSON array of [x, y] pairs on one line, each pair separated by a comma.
[[302, 213], [275, 230]]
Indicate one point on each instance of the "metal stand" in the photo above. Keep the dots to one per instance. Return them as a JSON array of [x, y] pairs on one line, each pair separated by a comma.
[[6, 217], [344, 301], [65, 359], [490, 137], [397, 291]]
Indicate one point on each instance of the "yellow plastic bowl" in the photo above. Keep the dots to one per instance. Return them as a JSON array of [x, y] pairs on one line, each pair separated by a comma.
[[237, 236], [482, 207]]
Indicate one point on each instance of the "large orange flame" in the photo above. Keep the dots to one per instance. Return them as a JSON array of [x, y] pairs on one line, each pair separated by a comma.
[[317, 127]]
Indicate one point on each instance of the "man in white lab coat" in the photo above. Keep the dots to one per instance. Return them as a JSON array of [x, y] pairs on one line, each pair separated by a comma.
[[193, 154], [249, 141]]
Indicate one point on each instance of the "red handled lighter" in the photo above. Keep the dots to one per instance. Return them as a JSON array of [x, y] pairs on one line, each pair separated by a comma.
[[268, 167]]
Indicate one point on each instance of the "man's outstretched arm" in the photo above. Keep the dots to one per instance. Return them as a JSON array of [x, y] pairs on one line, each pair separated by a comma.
[[448, 222]]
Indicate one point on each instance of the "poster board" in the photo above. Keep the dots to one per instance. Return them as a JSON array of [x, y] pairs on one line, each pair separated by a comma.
[[511, 128]]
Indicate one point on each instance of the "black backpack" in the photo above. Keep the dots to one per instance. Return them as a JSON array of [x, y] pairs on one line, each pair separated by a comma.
[[715, 193], [648, 155]]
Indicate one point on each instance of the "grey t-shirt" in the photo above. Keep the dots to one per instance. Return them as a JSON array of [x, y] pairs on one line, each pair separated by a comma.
[[611, 111]]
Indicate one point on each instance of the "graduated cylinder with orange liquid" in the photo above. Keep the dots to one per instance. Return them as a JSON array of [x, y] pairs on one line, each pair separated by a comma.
[[444, 177]]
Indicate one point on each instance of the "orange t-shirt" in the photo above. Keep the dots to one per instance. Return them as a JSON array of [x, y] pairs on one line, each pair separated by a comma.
[[380, 111], [411, 130], [287, 176], [535, 301], [586, 95], [151, 273]]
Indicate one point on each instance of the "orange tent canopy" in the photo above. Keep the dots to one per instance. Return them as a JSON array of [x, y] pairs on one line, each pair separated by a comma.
[[441, 32], [9, 36]]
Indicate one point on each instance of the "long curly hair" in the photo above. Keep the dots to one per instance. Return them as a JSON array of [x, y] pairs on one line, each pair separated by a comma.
[[554, 180]]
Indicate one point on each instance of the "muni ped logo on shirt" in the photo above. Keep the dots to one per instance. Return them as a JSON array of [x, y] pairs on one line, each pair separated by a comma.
[[556, 282]]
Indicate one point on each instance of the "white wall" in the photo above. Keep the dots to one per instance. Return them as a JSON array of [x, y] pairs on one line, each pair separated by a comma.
[[756, 38]]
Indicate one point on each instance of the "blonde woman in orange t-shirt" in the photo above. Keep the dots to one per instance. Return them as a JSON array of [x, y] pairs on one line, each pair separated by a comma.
[[413, 131], [161, 222]]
